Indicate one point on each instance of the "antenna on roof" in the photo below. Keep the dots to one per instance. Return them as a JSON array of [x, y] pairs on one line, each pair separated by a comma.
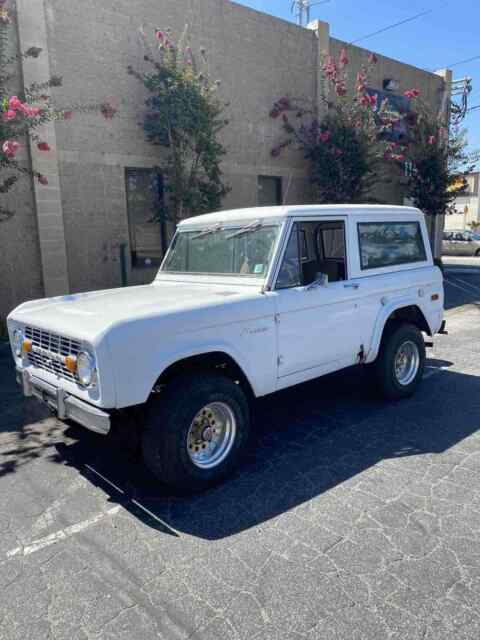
[[302, 10]]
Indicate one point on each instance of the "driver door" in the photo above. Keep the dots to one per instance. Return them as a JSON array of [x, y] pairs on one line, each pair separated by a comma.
[[318, 325]]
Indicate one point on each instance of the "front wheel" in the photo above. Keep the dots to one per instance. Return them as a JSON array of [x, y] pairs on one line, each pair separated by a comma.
[[196, 431], [401, 361]]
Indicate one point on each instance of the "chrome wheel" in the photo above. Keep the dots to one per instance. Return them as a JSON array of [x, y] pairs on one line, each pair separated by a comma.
[[406, 363], [211, 435]]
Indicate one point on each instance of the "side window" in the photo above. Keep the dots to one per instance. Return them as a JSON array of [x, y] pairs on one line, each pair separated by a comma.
[[386, 244], [289, 274], [316, 250]]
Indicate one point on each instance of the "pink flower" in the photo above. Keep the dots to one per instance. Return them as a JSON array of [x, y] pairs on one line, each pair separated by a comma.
[[398, 157], [159, 35], [43, 146], [108, 111], [330, 68], [42, 180], [10, 148], [324, 136], [411, 93], [343, 59], [9, 115], [340, 89], [30, 112], [67, 115], [14, 103], [431, 140]]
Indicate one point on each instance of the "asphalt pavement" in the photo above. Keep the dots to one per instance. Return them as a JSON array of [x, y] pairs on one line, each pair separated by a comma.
[[351, 518]]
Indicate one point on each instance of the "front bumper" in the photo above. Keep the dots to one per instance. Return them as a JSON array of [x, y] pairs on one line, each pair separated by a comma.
[[65, 406]]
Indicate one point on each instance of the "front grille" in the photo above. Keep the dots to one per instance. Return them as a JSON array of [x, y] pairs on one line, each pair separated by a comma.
[[56, 346]]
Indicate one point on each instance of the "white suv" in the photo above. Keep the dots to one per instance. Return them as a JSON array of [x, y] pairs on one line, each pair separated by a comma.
[[246, 303]]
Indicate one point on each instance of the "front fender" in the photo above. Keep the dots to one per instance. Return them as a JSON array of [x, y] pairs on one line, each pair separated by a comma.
[[169, 358], [382, 319]]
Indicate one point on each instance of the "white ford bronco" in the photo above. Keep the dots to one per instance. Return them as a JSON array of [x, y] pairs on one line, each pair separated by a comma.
[[246, 302]]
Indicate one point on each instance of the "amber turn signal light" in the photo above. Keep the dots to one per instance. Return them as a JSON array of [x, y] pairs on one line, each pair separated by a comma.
[[435, 297], [71, 364], [26, 346]]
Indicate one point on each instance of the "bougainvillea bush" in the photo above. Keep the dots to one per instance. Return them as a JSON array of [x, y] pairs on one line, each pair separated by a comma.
[[342, 138], [185, 116], [437, 159], [352, 142], [23, 115]]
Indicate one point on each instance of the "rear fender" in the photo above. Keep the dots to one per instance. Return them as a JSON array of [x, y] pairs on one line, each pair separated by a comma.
[[384, 315]]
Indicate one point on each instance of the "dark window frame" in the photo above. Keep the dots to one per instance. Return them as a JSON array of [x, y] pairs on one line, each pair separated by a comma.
[[279, 189], [136, 262], [390, 264]]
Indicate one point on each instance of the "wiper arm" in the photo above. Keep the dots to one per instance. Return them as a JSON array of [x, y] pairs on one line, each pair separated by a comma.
[[253, 226], [207, 231]]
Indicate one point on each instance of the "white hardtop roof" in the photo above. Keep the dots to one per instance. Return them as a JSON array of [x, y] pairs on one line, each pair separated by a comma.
[[279, 213]]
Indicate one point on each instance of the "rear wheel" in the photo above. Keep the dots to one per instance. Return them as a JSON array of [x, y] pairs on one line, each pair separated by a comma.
[[477, 253], [196, 432], [401, 361]]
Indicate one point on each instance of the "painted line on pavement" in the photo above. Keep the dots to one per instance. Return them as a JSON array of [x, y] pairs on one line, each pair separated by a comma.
[[475, 287], [458, 286], [63, 534], [132, 500], [432, 371]]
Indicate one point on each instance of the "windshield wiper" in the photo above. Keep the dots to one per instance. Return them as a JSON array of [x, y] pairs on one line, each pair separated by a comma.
[[207, 231], [253, 226]]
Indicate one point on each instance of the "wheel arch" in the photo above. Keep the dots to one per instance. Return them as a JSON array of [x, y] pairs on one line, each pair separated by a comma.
[[401, 312], [215, 360]]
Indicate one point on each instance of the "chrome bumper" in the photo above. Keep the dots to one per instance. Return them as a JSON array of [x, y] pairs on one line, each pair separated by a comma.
[[65, 406]]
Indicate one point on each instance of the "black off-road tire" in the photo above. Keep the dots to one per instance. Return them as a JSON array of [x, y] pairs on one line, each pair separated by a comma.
[[164, 441], [477, 253], [394, 336]]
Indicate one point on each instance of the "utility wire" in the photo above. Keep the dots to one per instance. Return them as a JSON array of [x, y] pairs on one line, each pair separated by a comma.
[[398, 24], [456, 64]]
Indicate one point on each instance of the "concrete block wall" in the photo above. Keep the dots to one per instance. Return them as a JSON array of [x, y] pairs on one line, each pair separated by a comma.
[[257, 58], [20, 261]]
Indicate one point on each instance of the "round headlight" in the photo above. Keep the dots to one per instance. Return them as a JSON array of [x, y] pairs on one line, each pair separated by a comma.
[[18, 339], [85, 369]]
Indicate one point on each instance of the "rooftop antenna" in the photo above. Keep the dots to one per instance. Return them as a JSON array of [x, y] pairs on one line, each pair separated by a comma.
[[302, 10]]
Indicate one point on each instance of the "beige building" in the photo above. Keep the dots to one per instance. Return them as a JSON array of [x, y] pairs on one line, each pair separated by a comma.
[[67, 237], [466, 207]]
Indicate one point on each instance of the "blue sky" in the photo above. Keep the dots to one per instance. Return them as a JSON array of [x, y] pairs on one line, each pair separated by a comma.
[[447, 35]]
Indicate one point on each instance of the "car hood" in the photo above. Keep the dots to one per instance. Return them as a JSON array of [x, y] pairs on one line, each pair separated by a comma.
[[88, 316]]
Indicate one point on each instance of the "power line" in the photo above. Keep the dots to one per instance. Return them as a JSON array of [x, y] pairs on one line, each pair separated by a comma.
[[456, 64], [398, 24]]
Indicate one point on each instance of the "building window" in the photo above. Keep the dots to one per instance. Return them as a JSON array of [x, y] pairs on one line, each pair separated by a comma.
[[269, 191], [144, 208], [387, 244]]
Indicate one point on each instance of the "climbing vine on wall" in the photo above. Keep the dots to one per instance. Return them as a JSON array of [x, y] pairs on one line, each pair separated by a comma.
[[185, 116]]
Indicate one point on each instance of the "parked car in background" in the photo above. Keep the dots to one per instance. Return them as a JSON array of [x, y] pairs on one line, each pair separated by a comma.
[[245, 303], [461, 243]]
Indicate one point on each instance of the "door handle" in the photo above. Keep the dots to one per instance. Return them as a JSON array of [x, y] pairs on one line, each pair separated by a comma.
[[353, 285]]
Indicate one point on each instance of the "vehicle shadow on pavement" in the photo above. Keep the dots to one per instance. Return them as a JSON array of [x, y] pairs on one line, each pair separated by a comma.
[[307, 440]]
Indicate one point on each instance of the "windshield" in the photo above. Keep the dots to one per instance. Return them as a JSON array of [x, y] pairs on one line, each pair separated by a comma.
[[243, 250]]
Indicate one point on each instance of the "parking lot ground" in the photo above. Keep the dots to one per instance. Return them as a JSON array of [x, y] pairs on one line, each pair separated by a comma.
[[351, 518]]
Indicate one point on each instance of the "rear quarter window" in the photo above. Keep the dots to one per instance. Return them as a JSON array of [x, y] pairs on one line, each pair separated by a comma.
[[387, 244]]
